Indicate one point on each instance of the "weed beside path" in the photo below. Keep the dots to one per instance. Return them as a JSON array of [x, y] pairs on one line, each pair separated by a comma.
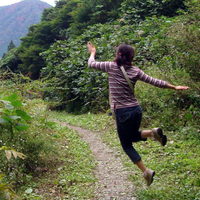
[[66, 173]]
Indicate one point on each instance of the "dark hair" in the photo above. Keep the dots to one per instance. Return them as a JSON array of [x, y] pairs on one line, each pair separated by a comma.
[[125, 55]]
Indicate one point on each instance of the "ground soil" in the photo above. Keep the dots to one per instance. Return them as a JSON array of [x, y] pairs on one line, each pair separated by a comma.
[[112, 176]]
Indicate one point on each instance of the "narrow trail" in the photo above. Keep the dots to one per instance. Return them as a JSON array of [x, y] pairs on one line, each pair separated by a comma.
[[112, 177]]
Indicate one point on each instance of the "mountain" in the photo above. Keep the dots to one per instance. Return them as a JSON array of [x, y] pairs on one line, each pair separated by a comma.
[[15, 20]]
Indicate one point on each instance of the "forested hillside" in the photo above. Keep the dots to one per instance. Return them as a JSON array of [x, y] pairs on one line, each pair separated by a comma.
[[15, 20], [165, 35]]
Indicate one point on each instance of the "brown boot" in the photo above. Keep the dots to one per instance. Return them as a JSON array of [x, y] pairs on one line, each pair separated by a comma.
[[148, 176]]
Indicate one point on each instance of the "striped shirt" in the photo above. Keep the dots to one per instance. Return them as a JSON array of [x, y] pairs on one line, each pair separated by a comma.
[[120, 91]]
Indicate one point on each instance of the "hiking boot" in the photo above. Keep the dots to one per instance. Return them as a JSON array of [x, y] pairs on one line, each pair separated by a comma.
[[148, 176], [159, 136]]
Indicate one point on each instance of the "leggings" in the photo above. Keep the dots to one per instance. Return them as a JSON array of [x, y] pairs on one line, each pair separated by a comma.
[[128, 122]]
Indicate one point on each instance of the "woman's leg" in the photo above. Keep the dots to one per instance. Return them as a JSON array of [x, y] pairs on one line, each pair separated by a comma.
[[146, 133], [128, 123], [141, 165], [155, 133]]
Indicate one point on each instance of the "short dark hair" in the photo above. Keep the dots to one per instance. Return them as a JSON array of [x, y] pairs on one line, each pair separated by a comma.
[[125, 55]]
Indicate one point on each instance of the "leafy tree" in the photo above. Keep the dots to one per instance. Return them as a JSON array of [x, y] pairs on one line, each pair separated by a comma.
[[138, 10], [106, 11], [38, 39], [32, 62], [48, 14], [89, 12], [11, 60]]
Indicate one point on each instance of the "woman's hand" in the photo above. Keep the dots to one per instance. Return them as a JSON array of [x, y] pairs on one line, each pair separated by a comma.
[[173, 87], [181, 87], [91, 48]]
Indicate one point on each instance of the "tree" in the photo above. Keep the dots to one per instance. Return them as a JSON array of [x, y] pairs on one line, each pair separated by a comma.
[[38, 39], [11, 60], [137, 10], [89, 12], [11, 46], [4, 55]]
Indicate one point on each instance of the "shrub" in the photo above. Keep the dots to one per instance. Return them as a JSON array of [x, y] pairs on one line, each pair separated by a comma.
[[23, 133]]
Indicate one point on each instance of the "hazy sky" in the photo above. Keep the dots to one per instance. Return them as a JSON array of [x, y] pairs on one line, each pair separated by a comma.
[[9, 2]]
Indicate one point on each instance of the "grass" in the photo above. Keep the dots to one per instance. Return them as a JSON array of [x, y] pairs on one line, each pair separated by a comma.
[[177, 164], [67, 171]]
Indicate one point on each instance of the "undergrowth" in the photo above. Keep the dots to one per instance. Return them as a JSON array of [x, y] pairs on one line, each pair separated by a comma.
[[57, 164], [67, 175]]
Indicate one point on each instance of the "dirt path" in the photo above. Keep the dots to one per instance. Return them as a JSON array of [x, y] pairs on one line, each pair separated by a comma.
[[112, 176]]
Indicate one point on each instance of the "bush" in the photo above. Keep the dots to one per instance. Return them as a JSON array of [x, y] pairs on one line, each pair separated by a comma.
[[24, 133]]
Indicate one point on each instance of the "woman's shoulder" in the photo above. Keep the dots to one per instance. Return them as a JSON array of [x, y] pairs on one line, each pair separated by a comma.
[[113, 64], [133, 68], [136, 71]]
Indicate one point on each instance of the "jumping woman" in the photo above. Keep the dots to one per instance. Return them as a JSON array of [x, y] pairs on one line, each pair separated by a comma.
[[128, 112]]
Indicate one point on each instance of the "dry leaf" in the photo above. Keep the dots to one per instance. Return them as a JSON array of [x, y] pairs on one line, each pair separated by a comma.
[[8, 154]]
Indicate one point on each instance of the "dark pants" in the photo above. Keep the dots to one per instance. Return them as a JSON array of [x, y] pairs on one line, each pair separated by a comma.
[[128, 123]]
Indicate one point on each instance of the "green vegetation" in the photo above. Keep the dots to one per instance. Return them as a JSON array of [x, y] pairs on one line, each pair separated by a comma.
[[74, 86], [176, 165], [65, 175], [37, 153], [54, 53]]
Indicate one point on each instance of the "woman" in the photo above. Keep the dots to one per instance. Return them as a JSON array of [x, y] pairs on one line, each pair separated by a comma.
[[126, 107]]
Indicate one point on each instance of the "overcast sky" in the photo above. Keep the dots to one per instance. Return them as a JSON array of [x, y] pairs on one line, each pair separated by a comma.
[[9, 2]]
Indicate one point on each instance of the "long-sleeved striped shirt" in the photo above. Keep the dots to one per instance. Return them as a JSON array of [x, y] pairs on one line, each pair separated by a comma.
[[121, 94]]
